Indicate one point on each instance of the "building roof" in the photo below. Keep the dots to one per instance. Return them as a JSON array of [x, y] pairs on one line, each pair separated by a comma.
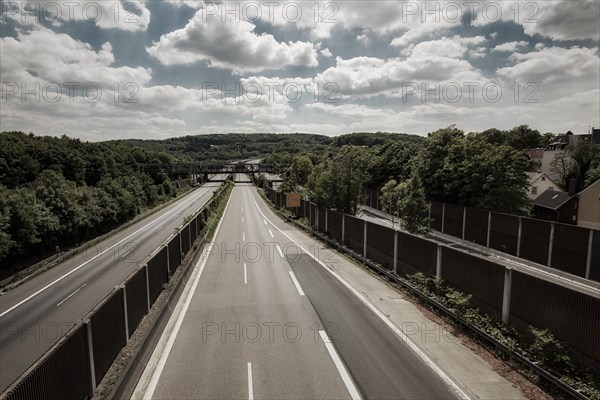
[[552, 199], [591, 185], [536, 176]]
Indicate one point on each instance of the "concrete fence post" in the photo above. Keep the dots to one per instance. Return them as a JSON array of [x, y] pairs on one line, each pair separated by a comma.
[[168, 261], [464, 222], [588, 263], [489, 229], [147, 287], [90, 341], [396, 251], [519, 235], [180, 246], [343, 227], [551, 244], [443, 216], [365, 239], [506, 295], [124, 291], [438, 263]]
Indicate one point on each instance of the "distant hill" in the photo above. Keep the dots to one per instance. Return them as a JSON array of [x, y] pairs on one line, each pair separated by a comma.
[[370, 139], [232, 146]]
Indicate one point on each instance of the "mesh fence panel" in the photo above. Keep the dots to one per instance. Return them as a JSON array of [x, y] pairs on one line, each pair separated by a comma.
[[569, 249], [453, 220], [157, 274], [535, 239], [476, 226], [504, 233], [416, 254], [380, 245], [354, 233], [137, 299]]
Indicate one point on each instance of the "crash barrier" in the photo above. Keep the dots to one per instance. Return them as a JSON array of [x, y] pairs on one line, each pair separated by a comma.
[[506, 294], [76, 364], [564, 247]]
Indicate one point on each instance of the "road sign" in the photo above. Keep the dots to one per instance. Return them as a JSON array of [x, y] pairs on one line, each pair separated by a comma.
[[292, 200]]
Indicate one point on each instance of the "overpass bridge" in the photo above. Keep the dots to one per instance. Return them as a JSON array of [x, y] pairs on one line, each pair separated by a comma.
[[216, 172]]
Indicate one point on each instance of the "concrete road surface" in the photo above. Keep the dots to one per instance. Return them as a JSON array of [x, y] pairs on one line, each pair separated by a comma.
[[34, 315], [263, 320]]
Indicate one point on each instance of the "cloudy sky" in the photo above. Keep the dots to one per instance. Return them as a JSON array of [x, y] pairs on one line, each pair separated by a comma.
[[150, 69]]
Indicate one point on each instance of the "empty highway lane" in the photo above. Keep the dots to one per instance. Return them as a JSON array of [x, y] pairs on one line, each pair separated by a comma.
[[37, 313], [264, 320]]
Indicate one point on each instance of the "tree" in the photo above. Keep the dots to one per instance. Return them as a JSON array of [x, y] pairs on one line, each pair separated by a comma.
[[564, 168], [389, 198], [392, 161], [337, 183], [576, 161], [412, 206], [301, 169], [471, 171]]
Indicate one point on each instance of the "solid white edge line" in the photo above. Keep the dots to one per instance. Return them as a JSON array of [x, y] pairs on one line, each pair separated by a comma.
[[340, 366], [149, 392], [280, 252], [88, 261], [297, 284], [243, 236], [245, 275], [271, 233], [403, 337], [250, 386]]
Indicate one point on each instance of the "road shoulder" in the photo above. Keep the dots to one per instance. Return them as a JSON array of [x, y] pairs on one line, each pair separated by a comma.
[[474, 375]]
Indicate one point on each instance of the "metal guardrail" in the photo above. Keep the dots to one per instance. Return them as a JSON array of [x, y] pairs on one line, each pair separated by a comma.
[[549, 377], [27, 387]]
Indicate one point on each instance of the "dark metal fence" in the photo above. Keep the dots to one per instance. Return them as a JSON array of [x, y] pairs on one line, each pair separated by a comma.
[[63, 374], [523, 237], [571, 316], [415, 254], [73, 367], [137, 298], [380, 245], [483, 279], [109, 335], [512, 296], [158, 274]]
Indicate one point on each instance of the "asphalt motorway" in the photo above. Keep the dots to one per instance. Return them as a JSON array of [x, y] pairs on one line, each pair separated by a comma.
[[265, 320], [34, 315]]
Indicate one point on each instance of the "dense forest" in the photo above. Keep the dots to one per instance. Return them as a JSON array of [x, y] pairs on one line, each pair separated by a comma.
[[61, 191]]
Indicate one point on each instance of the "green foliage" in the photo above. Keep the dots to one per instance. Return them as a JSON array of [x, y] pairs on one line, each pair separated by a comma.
[[471, 171], [370, 139], [549, 352], [519, 138], [541, 347], [393, 161], [413, 208], [389, 196], [580, 161], [338, 182], [61, 191]]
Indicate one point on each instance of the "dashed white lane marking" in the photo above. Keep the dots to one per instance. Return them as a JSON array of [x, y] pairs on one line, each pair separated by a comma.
[[280, 252], [271, 233], [245, 275], [340, 366], [250, 386], [71, 295], [296, 283]]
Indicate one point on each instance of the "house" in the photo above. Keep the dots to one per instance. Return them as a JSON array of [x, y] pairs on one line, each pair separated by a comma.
[[539, 183], [588, 213], [557, 206]]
